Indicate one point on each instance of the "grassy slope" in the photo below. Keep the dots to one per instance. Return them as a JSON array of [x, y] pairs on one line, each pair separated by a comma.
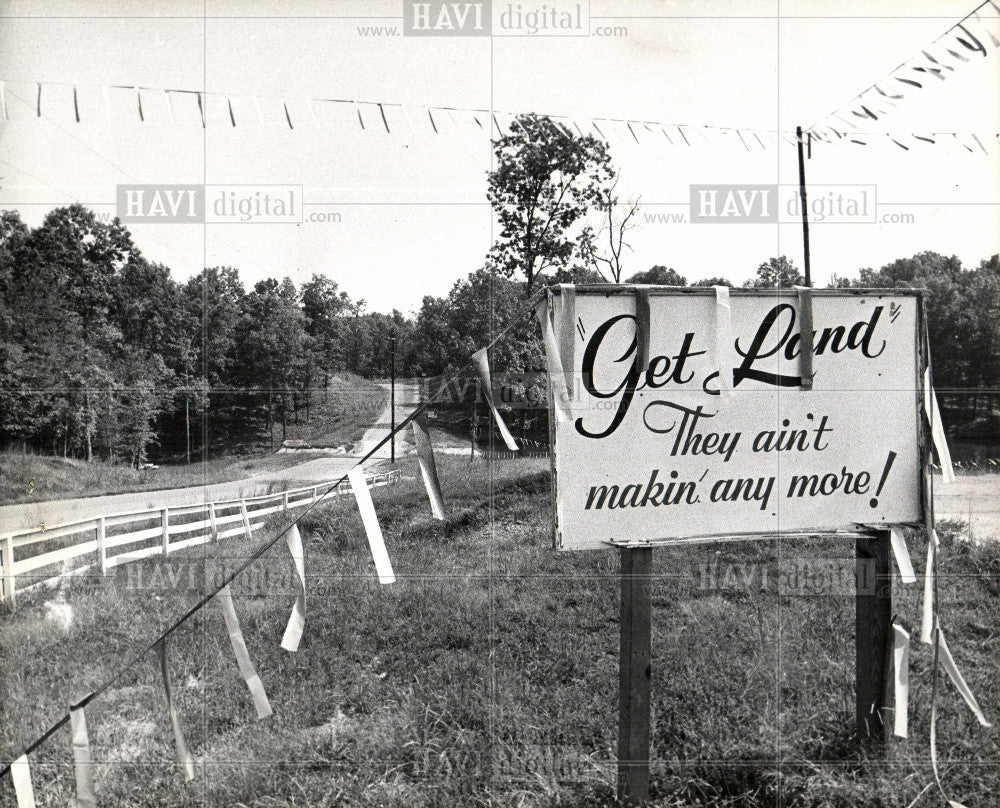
[[351, 406], [488, 673]]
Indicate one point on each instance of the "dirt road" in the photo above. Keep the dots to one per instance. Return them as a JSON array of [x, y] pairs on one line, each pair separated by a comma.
[[31, 516]]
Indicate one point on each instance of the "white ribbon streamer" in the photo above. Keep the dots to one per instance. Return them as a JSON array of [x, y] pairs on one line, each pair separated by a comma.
[[370, 520], [83, 762], [257, 693], [901, 678], [297, 619], [553, 361], [937, 430], [184, 758], [724, 351], [902, 555], [482, 362], [20, 775], [927, 614], [428, 468], [567, 335], [956, 677]]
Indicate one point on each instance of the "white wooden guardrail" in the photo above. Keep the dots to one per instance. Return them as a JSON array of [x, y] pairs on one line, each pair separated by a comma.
[[123, 537]]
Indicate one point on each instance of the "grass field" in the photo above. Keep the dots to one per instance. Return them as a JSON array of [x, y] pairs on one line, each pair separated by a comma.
[[338, 418], [487, 675]]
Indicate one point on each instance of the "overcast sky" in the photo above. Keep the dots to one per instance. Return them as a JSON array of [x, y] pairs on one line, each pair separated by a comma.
[[411, 211]]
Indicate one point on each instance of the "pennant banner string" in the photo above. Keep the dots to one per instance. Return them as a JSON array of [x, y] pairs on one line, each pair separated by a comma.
[[914, 72], [869, 109]]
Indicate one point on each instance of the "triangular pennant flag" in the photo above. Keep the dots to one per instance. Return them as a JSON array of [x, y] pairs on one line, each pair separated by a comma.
[[428, 468], [482, 362], [138, 101], [83, 762], [901, 677], [297, 620], [20, 775], [184, 758], [229, 105], [38, 106], [959, 681], [359, 485], [224, 597], [76, 106], [982, 27], [201, 109], [288, 117]]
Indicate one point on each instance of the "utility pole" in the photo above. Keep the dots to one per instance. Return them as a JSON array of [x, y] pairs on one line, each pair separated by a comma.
[[392, 399], [802, 201]]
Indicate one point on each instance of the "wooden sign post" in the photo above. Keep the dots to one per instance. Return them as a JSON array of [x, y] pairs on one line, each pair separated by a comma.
[[873, 637], [634, 674]]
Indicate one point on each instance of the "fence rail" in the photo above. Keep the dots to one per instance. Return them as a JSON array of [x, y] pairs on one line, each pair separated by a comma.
[[119, 538]]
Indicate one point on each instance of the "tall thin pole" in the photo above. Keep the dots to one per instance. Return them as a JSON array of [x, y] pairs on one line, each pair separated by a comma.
[[392, 398], [805, 207]]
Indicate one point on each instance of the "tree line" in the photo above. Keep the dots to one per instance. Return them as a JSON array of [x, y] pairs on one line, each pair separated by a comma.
[[103, 354]]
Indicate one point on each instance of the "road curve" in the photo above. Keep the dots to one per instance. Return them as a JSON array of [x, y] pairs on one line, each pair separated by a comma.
[[30, 516]]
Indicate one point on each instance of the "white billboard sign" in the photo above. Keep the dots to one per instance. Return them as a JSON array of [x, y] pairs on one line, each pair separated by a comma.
[[682, 414]]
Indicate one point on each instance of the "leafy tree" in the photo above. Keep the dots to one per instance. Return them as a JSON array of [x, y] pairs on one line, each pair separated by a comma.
[[661, 275], [545, 181], [776, 273], [270, 339], [713, 281]]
